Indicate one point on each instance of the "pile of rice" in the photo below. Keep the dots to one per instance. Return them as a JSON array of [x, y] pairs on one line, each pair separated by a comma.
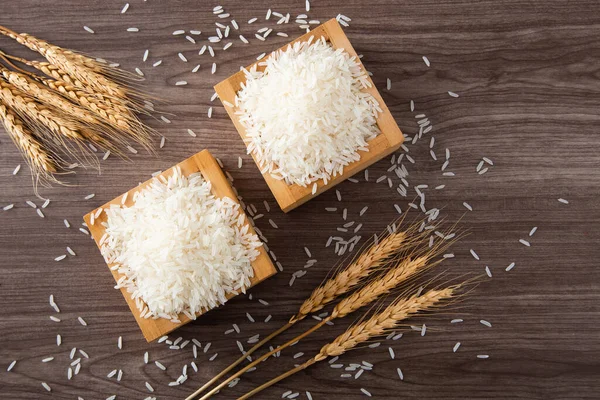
[[305, 115], [179, 248]]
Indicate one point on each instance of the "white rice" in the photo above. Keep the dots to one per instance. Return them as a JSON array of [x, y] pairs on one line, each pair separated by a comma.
[[456, 346], [487, 271], [511, 266], [211, 233], [400, 374], [486, 323], [88, 29], [125, 8], [274, 132], [426, 61]]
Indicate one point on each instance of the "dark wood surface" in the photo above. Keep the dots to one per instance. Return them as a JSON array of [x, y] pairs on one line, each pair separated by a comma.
[[527, 73]]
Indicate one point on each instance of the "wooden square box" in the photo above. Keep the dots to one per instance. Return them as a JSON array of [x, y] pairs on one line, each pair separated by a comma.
[[291, 196], [206, 164]]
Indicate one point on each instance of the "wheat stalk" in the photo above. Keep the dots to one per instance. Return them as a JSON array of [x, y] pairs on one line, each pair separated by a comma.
[[111, 124], [60, 128], [43, 94], [75, 89], [41, 163], [27, 105], [79, 67], [46, 68], [342, 282], [397, 274], [354, 273], [78, 101], [377, 325]]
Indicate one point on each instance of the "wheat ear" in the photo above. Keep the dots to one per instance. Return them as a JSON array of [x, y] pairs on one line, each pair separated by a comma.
[[342, 282], [354, 274], [65, 84], [43, 94], [25, 104], [377, 325], [397, 274], [79, 67], [41, 163], [60, 128], [117, 113]]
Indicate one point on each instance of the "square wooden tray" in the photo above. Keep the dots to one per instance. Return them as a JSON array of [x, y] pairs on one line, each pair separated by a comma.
[[291, 196], [206, 164]]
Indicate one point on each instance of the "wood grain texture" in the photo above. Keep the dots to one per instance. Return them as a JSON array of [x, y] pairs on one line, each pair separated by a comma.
[[527, 73], [388, 141], [206, 164]]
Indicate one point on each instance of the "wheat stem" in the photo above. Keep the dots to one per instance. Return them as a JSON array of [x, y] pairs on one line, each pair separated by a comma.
[[239, 360], [277, 379], [346, 279], [260, 359], [401, 309], [397, 274]]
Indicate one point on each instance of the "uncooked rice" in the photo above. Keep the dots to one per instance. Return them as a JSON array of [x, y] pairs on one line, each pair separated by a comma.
[[205, 250], [320, 136]]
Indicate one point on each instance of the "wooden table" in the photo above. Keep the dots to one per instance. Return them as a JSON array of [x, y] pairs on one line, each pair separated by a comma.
[[527, 76]]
